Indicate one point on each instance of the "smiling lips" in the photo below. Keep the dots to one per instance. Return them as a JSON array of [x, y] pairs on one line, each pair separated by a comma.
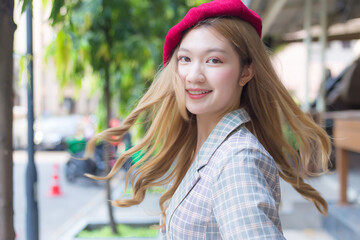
[[197, 93]]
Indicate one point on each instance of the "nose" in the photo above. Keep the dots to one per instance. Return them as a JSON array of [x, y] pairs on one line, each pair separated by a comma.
[[195, 73]]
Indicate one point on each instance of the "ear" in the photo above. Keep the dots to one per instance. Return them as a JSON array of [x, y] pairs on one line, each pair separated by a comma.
[[247, 74]]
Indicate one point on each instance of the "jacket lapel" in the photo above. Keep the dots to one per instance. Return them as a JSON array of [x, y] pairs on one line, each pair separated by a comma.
[[229, 124], [191, 178]]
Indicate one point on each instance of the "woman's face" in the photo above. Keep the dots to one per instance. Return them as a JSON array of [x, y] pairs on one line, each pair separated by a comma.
[[210, 69]]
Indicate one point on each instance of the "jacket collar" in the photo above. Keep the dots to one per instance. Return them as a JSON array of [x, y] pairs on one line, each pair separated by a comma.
[[225, 127]]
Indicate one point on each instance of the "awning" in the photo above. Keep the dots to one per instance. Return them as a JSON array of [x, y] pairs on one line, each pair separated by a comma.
[[283, 20]]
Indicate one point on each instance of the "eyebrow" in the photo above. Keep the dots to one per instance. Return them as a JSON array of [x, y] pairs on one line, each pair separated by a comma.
[[208, 50]]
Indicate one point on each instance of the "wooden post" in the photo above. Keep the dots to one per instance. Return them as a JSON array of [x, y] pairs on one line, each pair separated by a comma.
[[342, 166]]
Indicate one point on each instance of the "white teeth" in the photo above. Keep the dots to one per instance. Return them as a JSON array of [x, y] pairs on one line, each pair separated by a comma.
[[198, 92]]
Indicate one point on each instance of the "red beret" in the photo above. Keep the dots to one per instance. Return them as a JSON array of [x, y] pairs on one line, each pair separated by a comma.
[[207, 10]]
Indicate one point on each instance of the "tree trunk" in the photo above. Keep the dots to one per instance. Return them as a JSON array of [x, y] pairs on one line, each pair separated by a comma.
[[7, 28], [107, 94]]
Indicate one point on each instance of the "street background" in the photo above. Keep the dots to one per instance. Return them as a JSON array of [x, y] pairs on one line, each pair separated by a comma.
[[54, 212], [65, 91], [83, 202]]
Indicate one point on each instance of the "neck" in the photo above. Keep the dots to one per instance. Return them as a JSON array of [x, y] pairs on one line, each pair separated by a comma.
[[205, 125]]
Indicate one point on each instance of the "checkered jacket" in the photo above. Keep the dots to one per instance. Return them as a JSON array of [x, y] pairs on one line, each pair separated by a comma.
[[231, 191]]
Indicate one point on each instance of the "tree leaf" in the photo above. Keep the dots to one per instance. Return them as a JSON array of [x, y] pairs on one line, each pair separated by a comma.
[[123, 38], [55, 11]]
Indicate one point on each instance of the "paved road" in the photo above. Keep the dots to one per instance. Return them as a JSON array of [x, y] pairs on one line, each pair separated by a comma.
[[54, 212]]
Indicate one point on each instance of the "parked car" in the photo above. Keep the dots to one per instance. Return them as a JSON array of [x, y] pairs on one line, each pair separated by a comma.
[[19, 128], [51, 132]]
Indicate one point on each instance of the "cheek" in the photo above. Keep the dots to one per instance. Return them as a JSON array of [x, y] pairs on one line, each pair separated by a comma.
[[227, 76], [182, 73]]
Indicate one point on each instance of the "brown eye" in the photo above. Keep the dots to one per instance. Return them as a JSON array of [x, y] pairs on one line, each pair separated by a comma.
[[213, 61], [183, 59]]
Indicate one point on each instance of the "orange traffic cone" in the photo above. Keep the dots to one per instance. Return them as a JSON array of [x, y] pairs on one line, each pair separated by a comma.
[[55, 187]]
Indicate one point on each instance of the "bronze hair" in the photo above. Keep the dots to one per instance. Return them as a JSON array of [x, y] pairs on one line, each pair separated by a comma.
[[171, 138]]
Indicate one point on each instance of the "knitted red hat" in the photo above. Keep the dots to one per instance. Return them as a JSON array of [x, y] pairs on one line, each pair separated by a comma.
[[212, 9]]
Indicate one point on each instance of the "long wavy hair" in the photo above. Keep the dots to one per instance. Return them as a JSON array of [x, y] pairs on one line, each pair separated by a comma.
[[170, 141]]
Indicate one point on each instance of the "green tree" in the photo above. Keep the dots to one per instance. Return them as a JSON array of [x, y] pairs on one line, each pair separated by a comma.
[[118, 42], [115, 43]]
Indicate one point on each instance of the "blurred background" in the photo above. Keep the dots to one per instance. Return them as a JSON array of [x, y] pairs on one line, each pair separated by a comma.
[[93, 60]]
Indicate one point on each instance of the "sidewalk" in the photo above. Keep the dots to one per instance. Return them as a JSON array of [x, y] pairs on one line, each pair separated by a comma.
[[96, 212], [300, 218], [52, 211]]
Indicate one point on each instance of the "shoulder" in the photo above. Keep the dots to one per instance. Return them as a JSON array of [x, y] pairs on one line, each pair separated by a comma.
[[245, 185], [242, 153], [241, 147]]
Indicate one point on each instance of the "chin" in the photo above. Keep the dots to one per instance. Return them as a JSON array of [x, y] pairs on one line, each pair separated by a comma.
[[195, 111]]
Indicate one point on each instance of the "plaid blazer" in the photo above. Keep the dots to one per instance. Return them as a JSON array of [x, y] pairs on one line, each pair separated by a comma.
[[231, 190]]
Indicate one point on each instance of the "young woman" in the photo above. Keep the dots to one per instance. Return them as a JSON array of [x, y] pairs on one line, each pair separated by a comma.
[[216, 111]]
